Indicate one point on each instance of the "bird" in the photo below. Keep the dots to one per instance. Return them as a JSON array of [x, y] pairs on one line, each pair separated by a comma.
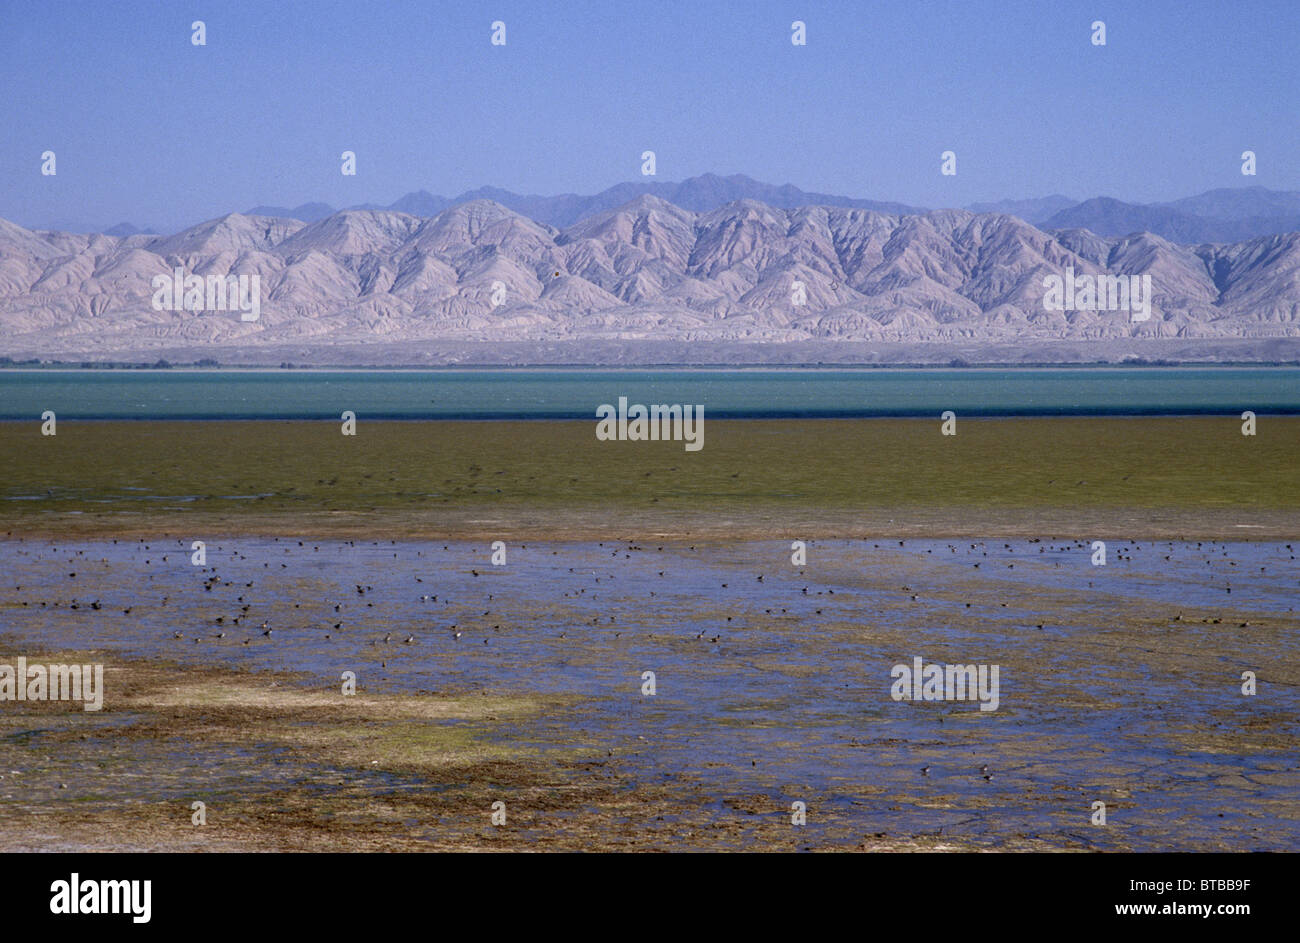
[[410, 639], [925, 771]]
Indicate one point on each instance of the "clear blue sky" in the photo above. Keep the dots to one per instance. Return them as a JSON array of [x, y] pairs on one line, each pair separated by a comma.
[[151, 129]]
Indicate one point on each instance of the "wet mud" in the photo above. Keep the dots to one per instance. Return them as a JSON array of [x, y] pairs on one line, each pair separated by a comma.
[[523, 684]]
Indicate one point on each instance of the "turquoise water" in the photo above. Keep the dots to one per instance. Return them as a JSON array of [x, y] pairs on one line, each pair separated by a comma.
[[575, 394]]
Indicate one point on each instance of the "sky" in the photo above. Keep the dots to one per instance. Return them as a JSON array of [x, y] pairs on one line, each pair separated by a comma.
[[149, 128]]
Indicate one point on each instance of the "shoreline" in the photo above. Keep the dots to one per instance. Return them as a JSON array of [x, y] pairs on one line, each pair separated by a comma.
[[565, 525], [60, 366]]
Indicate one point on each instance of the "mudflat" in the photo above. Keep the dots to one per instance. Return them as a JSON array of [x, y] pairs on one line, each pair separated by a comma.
[[1121, 683], [524, 684], [1193, 477]]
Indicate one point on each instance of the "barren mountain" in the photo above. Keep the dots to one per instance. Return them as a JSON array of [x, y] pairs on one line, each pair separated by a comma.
[[701, 194], [394, 287], [1215, 216], [1035, 211]]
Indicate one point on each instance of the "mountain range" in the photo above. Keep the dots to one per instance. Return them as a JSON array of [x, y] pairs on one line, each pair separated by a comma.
[[1216, 216], [714, 285], [1223, 215], [700, 194]]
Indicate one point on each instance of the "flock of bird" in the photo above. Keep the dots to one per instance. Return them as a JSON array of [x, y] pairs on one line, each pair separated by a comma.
[[235, 621], [238, 621]]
